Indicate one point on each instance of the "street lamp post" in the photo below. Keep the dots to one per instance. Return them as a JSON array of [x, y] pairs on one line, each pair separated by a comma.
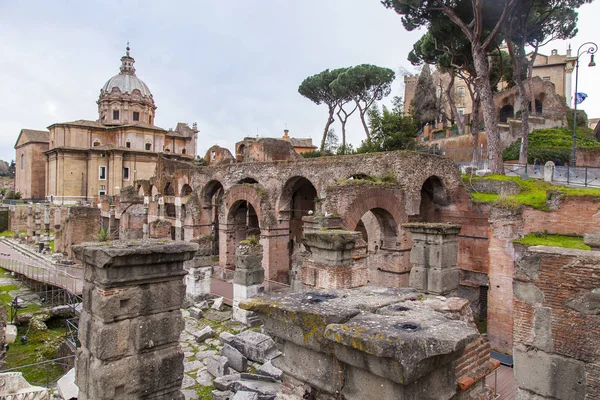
[[593, 47]]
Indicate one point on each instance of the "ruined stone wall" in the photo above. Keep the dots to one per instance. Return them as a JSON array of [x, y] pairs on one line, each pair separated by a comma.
[[79, 225], [588, 158], [17, 218], [557, 323]]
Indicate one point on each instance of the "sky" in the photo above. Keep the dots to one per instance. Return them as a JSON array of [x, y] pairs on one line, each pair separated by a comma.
[[233, 67]]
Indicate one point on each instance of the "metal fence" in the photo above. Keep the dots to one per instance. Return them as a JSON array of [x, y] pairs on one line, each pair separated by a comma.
[[50, 371], [566, 175]]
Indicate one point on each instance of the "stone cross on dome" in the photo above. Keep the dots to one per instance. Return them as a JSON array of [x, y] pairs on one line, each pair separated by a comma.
[[127, 62]]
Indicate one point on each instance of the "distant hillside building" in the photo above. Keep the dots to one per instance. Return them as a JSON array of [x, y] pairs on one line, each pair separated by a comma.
[[86, 159], [555, 68]]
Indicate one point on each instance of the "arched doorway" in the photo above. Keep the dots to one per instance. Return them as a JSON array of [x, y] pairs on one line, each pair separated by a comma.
[[506, 112], [169, 203], [243, 223], [211, 203], [433, 195]]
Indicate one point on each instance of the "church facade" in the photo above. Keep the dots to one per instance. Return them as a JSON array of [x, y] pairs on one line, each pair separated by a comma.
[[87, 159]]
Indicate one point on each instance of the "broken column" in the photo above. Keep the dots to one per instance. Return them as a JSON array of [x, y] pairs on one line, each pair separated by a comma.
[[199, 272], [368, 343], [145, 227], [112, 223], [434, 256], [247, 281], [178, 219], [131, 320], [46, 225], [330, 264], [38, 222]]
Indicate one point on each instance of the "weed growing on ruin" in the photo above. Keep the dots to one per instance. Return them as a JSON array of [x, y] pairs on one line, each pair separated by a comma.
[[103, 235], [546, 239], [251, 240]]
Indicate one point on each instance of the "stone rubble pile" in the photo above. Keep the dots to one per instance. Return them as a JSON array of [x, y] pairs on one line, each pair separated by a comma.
[[224, 358]]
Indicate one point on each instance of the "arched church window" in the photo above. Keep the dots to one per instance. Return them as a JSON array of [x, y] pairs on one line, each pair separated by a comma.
[[115, 114], [96, 143], [128, 145], [183, 151], [136, 116], [148, 146]]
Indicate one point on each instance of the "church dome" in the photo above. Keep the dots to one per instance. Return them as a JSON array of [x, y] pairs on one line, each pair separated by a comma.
[[126, 84], [126, 80], [125, 98]]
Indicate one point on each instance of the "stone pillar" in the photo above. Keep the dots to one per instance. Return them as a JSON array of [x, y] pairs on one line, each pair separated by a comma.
[[46, 238], [247, 281], [30, 222], [145, 227], [57, 218], [38, 222], [178, 219], [111, 221], [434, 256], [161, 207], [131, 320], [199, 274], [548, 171], [330, 264]]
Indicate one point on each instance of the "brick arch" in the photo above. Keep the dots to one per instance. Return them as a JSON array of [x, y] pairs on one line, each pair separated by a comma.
[[287, 191], [249, 193], [209, 190], [373, 199]]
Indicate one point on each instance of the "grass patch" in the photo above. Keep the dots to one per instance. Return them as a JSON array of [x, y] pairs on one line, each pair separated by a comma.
[[533, 191], [205, 392], [40, 346], [545, 239], [7, 234]]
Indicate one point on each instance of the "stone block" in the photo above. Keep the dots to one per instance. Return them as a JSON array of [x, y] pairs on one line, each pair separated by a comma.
[[128, 302], [528, 293], [196, 313], [549, 375], [218, 304], [203, 334], [247, 292], [227, 382], [236, 359], [156, 330], [268, 369], [542, 328], [255, 346], [592, 240], [248, 277], [222, 395], [418, 278], [217, 366], [587, 303], [160, 371], [265, 390], [226, 337], [442, 281], [244, 395]]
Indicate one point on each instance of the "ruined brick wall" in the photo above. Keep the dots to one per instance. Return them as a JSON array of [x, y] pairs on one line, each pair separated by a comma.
[[160, 229], [576, 215], [588, 158], [557, 324], [17, 218], [79, 225]]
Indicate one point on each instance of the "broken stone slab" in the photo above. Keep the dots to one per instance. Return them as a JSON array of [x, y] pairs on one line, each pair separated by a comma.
[[265, 390], [257, 377], [268, 369], [203, 305], [204, 378], [255, 346], [217, 316], [226, 382], [244, 395], [196, 313], [66, 385], [226, 337], [218, 304], [203, 334], [221, 395], [592, 240], [192, 365], [217, 366], [236, 359]]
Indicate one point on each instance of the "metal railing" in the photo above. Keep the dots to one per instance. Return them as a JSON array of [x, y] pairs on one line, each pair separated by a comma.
[[51, 374], [566, 175]]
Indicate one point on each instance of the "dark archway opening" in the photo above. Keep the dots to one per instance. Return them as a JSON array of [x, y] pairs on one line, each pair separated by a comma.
[[244, 221], [433, 195], [506, 112], [213, 195], [169, 204]]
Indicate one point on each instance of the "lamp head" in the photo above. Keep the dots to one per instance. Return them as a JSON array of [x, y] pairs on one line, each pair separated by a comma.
[[592, 63]]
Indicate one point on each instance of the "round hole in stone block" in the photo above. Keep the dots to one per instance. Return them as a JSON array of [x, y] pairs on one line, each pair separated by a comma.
[[408, 326]]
